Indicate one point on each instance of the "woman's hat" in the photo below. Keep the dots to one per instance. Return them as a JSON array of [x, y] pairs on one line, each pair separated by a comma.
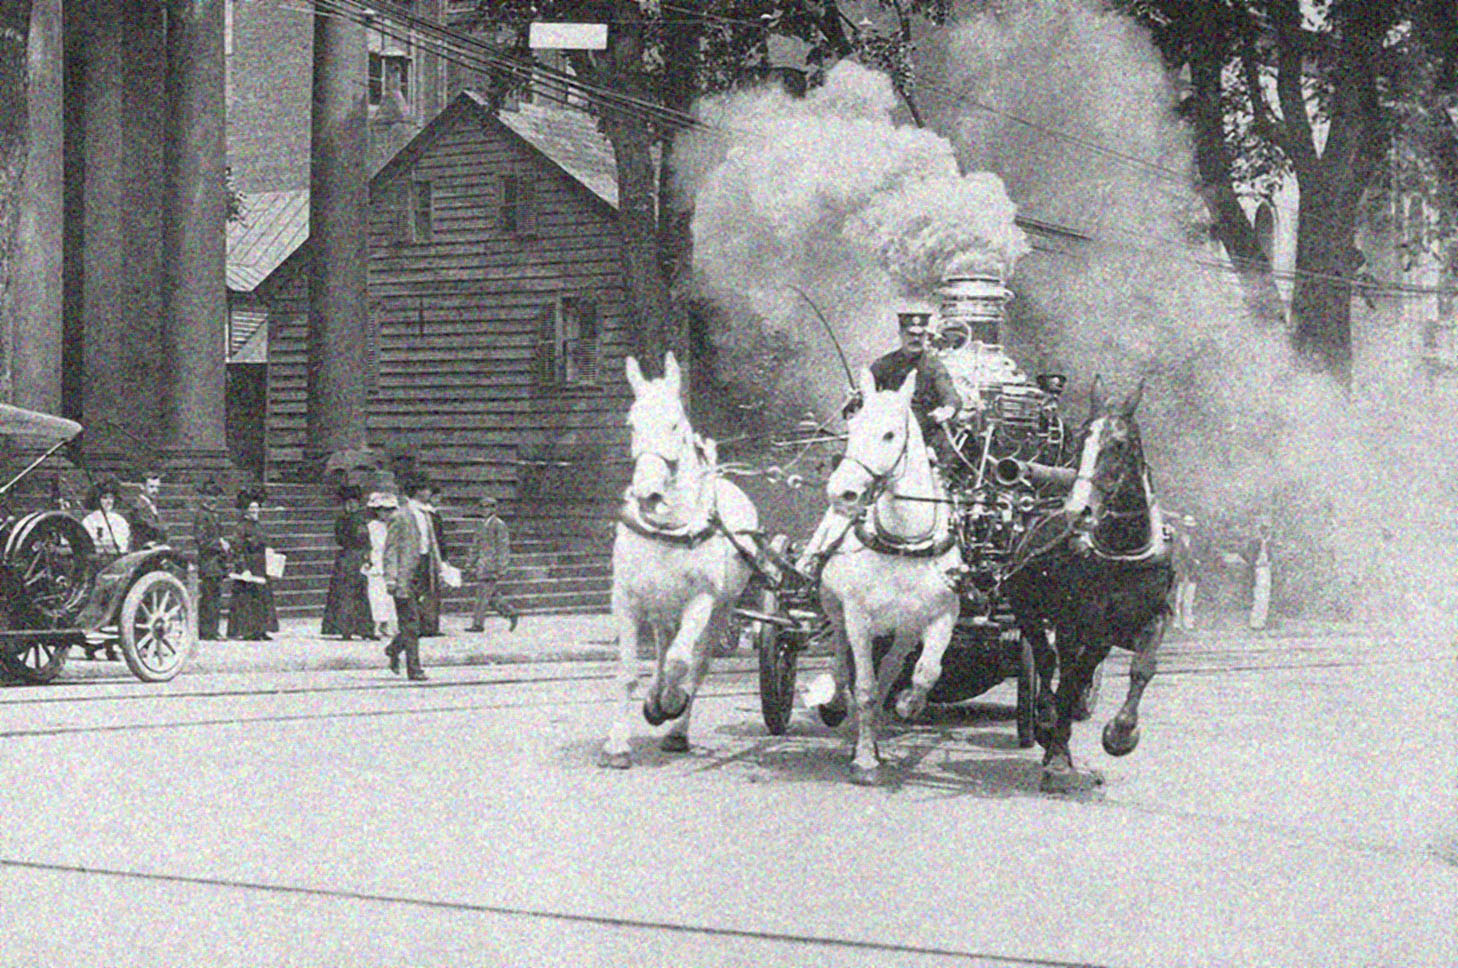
[[382, 499], [488, 501], [105, 485]]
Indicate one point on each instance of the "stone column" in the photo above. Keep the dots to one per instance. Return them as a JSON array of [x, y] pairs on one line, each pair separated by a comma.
[[192, 368], [36, 353], [338, 243]]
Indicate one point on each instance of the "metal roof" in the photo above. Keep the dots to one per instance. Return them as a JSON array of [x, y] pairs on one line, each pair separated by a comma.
[[272, 226]]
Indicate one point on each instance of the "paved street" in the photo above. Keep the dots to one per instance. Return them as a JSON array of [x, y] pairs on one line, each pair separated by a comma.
[[1292, 803]]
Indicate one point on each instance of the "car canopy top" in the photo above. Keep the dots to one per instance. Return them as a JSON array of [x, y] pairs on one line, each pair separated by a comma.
[[19, 422]]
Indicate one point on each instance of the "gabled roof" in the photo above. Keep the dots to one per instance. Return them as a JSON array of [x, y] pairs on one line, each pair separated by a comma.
[[566, 137], [272, 226]]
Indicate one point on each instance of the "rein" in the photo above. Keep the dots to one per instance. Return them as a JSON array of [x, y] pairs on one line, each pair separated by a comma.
[[880, 541]]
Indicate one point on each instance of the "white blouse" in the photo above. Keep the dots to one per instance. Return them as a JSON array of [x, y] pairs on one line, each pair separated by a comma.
[[109, 531]]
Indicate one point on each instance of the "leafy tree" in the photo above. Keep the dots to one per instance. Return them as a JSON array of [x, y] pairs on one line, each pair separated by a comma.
[[665, 55], [1349, 98]]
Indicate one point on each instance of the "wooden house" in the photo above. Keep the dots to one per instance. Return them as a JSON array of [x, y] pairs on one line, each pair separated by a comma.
[[497, 316]]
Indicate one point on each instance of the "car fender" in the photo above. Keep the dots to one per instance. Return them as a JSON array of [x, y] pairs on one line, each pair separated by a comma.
[[114, 580]]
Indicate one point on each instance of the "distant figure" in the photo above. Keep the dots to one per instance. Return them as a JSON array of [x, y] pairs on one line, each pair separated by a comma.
[[412, 571], [108, 529], [147, 526], [212, 559], [489, 557], [347, 607], [1190, 553], [251, 614], [381, 505], [1258, 557]]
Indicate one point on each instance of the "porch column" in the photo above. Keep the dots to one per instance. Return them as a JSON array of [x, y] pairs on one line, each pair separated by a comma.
[[193, 366], [37, 293], [338, 229]]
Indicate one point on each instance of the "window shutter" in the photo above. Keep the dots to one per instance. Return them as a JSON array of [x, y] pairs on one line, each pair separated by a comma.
[[506, 207], [585, 346], [546, 350], [399, 209], [526, 205]]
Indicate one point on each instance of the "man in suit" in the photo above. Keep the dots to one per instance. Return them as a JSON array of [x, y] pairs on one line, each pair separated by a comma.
[[147, 527], [212, 558], [412, 569]]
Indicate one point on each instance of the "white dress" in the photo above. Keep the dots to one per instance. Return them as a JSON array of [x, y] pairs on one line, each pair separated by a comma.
[[113, 540], [382, 606]]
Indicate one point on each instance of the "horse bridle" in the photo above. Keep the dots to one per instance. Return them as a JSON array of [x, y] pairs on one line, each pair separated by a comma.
[[882, 479]]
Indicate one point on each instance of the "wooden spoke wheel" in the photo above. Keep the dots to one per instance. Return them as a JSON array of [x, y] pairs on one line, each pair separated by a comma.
[[156, 626], [50, 557], [777, 657], [37, 661]]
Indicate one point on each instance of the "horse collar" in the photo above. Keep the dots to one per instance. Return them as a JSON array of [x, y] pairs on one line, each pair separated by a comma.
[[681, 537]]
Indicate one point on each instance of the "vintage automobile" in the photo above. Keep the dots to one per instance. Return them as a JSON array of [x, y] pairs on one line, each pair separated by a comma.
[[57, 591]]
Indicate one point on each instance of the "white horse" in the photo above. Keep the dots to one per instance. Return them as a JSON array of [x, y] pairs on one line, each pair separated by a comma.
[[677, 566], [890, 570]]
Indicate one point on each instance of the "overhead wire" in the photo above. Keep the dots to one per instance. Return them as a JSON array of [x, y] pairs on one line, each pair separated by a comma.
[[561, 87]]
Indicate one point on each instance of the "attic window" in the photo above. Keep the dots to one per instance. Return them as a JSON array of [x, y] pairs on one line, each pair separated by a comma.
[[387, 72], [516, 205]]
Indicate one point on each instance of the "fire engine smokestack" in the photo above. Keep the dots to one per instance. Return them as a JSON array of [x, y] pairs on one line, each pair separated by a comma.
[[974, 301]]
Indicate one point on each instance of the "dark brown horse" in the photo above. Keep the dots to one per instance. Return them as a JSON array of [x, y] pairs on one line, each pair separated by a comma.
[[1098, 572]]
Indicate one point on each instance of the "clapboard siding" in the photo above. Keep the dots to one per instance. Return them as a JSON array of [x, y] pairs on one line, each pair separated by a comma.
[[455, 325]]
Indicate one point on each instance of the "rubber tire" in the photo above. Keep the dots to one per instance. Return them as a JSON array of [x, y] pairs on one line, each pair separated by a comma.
[[151, 591], [1027, 692], [776, 669], [51, 656]]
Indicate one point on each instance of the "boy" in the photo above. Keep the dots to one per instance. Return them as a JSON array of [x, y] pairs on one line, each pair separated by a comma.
[[489, 557]]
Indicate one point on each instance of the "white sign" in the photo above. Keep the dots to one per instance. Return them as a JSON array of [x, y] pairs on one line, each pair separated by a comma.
[[568, 36]]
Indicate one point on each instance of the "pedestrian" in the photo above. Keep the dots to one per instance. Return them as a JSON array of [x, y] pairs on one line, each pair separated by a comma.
[[251, 613], [212, 559], [1190, 554], [1258, 557], [412, 569], [109, 530], [381, 505], [489, 557], [430, 603], [147, 526], [347, 606]]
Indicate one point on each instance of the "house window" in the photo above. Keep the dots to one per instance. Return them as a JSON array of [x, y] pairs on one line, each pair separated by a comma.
[[568, 342], [421, 211], [516, 205], [387, 72]]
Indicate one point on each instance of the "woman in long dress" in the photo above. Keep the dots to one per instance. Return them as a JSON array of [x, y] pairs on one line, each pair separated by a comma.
[[382, 605], [347, 607], [250, 610]]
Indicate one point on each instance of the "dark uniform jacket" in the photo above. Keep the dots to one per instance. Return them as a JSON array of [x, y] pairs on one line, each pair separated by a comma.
[[933, 383], [147, 527]]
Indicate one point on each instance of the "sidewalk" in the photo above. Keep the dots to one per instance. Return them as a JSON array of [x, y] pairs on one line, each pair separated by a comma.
[[297, 646]]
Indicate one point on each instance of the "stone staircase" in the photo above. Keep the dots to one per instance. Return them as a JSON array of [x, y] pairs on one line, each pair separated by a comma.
[[555, 569]]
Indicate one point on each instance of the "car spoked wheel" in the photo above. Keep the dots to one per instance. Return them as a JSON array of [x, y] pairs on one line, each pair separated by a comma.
[[156, 625]]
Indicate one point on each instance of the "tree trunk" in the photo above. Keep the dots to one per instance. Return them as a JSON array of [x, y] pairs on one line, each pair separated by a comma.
[[14, 145], [1326, 261]]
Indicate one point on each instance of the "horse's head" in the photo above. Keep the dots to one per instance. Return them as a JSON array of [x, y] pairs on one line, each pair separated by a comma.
[[663, 446], [876, 445], [1111, 459]]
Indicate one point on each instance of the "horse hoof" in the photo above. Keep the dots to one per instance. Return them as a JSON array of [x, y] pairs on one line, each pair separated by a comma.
[[868, 776], [1119, 741], [909, 705], [674, 743], [832, 714], [1063, 779], [653, 712], [614, 761]]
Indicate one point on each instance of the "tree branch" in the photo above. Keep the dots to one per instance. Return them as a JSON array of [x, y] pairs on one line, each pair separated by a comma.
[[1300, 143]]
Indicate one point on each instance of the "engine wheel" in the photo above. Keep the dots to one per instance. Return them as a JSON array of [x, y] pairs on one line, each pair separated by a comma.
[[50, 558], [777, 658], [156, 625]]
